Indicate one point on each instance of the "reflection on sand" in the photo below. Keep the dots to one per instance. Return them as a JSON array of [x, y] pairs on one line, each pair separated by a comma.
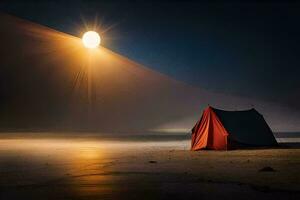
[[76, 168], [70, 167]]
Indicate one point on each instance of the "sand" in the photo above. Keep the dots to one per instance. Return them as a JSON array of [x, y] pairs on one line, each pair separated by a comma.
[[75, 168]]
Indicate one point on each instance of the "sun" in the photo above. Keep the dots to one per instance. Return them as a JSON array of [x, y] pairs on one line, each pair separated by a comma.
[[91, 39]]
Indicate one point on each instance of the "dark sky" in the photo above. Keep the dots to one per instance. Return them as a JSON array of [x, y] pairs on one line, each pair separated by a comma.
[[247, 48]]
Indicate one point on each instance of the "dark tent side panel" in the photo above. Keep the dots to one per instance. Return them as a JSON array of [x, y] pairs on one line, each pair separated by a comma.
[[246, 128]]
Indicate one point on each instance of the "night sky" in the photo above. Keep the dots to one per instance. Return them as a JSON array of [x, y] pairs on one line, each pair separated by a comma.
[[244, 48]]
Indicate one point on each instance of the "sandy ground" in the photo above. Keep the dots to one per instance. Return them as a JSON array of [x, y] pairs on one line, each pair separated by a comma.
[[98, 169]]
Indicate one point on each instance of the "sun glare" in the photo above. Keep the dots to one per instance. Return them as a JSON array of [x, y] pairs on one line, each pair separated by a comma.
[[91, 39]]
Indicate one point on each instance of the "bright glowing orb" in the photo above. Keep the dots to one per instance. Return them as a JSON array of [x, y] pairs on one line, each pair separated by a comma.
[[91, 39]]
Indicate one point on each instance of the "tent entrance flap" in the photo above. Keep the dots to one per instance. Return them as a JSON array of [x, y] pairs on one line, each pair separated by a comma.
[[209, 133]]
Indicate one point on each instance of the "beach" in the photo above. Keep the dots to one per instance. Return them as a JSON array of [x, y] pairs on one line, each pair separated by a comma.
[[142, 168]]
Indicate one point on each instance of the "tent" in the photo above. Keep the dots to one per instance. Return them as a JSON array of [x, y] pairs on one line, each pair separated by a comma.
[[222, 130]]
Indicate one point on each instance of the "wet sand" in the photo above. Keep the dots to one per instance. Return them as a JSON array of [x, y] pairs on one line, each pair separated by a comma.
[[75, 168]]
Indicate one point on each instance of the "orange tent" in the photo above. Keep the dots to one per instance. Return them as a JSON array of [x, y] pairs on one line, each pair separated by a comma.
[[222, 130]]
